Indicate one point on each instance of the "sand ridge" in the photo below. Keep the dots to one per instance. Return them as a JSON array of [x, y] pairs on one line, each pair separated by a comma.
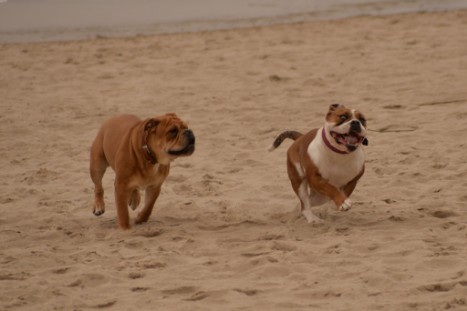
[[226, 233]]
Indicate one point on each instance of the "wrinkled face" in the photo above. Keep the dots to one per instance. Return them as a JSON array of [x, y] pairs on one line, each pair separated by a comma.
[[169, 137], [347, 127]]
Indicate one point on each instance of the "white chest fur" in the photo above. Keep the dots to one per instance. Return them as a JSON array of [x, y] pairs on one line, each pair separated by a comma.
[[337, 169]]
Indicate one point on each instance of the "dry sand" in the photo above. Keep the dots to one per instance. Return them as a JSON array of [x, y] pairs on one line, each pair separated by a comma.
[[226, 233]]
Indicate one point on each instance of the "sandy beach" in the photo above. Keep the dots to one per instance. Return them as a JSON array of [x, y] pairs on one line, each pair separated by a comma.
[[226, 233]]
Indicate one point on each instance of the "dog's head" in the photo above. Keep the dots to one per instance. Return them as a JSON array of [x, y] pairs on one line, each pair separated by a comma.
[[168, 137], [346, 128]]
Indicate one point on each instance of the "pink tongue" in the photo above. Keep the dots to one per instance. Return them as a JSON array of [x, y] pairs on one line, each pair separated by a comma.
[[351, 140], [342, 140]]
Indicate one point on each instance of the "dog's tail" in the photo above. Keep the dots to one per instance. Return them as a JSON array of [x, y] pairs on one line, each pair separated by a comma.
[[279, 139]]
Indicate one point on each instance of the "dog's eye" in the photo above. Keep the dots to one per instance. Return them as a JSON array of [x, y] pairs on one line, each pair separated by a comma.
[[362, 120], [173, 132], [343, 117]]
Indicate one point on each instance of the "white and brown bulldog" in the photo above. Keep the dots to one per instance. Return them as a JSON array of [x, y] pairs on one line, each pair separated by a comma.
[[326, 163], [140, 152]]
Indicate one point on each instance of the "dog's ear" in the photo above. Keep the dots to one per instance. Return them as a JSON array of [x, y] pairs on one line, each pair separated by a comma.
[[333, 107], [150, 124], [171, 114]]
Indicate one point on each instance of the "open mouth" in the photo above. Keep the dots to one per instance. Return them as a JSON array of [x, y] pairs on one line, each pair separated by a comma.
[[350, 140], [188, 150]]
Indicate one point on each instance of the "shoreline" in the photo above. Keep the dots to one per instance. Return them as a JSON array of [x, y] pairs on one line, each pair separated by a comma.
[[77, 26]]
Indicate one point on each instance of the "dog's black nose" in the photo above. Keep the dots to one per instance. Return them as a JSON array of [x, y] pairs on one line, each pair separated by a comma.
[[190, 136], [355, 126]]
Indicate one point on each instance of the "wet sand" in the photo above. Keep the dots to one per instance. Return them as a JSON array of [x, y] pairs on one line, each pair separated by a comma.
[[56, 20]]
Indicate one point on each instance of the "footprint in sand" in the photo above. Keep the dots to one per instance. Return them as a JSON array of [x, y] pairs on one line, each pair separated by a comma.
[[40, 176], [151, 233], [248, 292], [443, 214], [14, 277], [89, 280], [282, 246], [183, 290], [106, 304], [61, 270], [154, 265], [438, 287], [135, 275], [198, 296], [194, 292]]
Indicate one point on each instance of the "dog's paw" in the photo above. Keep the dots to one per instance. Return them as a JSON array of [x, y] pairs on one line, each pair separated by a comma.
[[125, 226], [311, 218], [315, 221], [98, 209], [346, 205], [141, 218]]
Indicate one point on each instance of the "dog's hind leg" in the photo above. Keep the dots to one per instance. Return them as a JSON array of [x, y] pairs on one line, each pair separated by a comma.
[[97, 167], [300, 186], [306, 204]]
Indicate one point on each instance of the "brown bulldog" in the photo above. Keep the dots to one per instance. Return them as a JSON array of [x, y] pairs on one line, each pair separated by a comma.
[[140, 153]]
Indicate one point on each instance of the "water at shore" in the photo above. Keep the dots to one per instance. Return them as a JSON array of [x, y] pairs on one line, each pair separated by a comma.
[[50, 20]]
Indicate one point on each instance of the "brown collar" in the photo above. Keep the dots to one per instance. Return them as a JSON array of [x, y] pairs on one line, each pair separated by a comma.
[[149, 154], [328, 144]]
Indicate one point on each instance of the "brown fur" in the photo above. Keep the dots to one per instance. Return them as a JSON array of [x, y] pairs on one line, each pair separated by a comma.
[[119, 144]]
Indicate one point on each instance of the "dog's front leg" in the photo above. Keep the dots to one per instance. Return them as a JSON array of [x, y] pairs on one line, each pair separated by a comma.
[[150, 197], [122, 197], [349, 188], [322, 186]]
